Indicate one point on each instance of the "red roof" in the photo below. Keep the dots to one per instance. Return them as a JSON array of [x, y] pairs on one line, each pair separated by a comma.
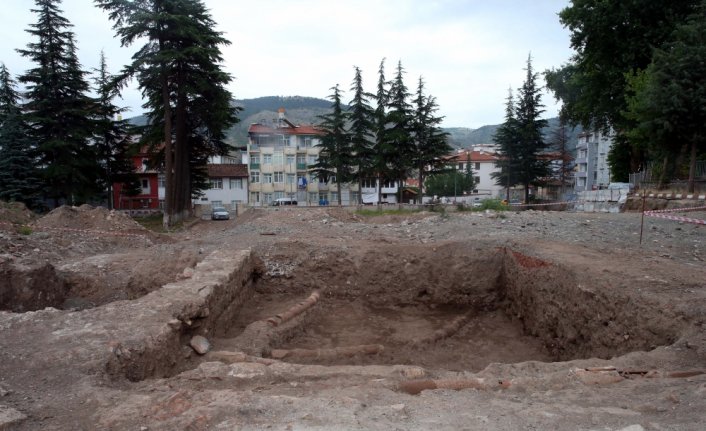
[[476, 156], [227, 170], [260, 129]]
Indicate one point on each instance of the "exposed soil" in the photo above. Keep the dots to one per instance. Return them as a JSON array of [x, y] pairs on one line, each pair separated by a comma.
[[501, 317]]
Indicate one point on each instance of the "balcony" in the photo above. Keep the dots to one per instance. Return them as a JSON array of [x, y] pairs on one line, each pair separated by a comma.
[[255, 166], [301, 166]]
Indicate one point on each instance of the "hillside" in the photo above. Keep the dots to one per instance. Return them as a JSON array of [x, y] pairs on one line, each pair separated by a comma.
[[305, 110]]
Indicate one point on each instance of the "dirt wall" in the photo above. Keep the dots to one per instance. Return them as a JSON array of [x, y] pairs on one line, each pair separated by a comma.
[[28, 288], [576, 317]]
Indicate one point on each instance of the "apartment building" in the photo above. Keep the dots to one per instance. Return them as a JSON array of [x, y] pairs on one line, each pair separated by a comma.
[[278, 156], [592, 169]]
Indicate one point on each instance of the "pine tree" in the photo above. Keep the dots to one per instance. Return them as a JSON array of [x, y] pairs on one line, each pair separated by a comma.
[[531, 143], [469, 172], [399, 129], [507, 141], [112, 137], [17, 177], [559, 142], [382, 152], [58, 108], [179, 71], [360, 115], [430, 141], [335, 155]]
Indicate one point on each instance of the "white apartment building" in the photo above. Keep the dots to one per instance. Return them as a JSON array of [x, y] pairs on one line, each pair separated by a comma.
[[278, 157], [592, 169]]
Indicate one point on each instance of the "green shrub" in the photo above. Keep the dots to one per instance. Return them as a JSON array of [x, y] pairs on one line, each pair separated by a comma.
[[493, 204], [24, 230]]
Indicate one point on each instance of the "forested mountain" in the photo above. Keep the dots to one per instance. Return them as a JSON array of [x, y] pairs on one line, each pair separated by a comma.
[[305, 110]]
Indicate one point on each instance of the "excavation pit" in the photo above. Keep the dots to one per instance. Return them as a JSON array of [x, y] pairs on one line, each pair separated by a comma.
[[451, 307]]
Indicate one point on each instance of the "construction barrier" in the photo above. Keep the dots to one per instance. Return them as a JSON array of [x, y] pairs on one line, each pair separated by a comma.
[[665, 214]]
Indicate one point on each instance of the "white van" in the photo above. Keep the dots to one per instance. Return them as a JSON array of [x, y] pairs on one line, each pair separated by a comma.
[[284, 201]]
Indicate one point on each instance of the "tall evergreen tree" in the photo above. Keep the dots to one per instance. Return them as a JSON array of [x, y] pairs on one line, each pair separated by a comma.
[[179, 71], [112, 137], [506, 139], [335, 156], [360, 115], [559, 142], [18, 181], [58, 108], [382, 151], [469, 171], [430, 141], [399, 129], [529, 165]]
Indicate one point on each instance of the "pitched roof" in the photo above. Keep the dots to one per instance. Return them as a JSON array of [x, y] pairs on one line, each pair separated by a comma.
[[476, 156], [306, 129], [227, 170]]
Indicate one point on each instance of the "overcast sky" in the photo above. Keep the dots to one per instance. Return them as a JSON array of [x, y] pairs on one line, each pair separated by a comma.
[[469, 52]]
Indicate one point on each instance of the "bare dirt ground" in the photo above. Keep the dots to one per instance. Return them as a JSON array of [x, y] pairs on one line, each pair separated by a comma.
[[428, 320]]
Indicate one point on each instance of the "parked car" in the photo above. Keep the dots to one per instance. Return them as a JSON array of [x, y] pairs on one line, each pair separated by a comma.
[[219, 213], [284, 201]]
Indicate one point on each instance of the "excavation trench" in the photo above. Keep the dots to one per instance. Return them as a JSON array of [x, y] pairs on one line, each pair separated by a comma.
[[453, 307]]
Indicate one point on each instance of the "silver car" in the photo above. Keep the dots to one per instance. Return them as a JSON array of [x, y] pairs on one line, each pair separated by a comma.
[[219, 213]]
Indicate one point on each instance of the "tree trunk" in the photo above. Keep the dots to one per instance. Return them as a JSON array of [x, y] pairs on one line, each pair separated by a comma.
[[692, 168], [181, 154], [167, 219], [663, 174]]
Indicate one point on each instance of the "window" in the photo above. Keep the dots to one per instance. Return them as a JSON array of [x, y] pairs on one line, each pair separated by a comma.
[[301, 159], [267, 159], [353, 197], [307, 141], [216, 183], [476, 180], [311, 159], [255, 197], [216, 204], [321, 180], [279, 177], [477, 166], [161, 204], [290, 159], [278, 158], [267, 198], [368, 183], [279, 195], [255, 177], [388, 184], [145, 183], [313, 197], [323, 196], [334, 196], [236, 183], [254, 157], [287, 140], [291, 179], [161, 181], [267, 178], [460, 166]]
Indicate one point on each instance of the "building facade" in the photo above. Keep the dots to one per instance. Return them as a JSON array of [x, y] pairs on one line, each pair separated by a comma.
[[278, 156], [592, 171], [228, 185]]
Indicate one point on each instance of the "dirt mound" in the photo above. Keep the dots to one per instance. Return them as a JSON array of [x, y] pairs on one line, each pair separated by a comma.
[[87, 217], [15, 213]]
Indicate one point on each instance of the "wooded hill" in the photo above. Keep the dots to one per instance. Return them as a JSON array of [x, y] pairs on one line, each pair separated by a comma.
[[305, 110]]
